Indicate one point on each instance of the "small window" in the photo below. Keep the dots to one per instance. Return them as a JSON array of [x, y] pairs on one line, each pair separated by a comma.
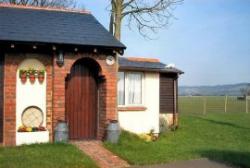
[[130, 88]]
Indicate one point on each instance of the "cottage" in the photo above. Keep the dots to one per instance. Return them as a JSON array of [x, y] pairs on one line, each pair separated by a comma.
[[64, 65], [147, 94]]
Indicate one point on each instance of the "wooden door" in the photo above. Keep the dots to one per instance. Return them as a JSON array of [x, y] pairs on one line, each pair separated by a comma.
[[1, 95], [167, 96], [81, 102]]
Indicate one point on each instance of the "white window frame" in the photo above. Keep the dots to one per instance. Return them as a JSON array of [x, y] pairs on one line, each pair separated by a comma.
[[123, 89], [126, 104]]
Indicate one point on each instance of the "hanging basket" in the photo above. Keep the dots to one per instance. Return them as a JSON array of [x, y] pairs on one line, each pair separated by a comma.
[[40, 78], [41, 75], [32, 78], [23, 75], [23, 78]]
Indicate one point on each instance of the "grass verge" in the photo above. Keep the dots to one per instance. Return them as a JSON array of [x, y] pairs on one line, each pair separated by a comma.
[[220, 137], [44, 156]]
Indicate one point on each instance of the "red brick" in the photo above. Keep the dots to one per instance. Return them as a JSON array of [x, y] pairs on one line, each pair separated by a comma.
[[55, 97]]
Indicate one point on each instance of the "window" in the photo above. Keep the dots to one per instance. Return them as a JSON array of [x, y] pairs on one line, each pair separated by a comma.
[[130, 88], [121, 88]]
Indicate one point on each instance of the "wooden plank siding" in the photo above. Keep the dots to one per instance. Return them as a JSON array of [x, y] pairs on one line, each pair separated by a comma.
[[1, 96], [81, 102], [168, 89]]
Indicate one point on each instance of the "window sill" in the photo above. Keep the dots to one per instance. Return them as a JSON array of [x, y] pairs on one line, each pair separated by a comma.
[[132, 108]]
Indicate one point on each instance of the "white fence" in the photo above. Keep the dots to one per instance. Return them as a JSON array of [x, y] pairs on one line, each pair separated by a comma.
[[209, 104]]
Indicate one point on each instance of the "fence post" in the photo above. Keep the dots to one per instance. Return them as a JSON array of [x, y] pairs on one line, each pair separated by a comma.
[[204, 105], [246, 104], [225, 107]]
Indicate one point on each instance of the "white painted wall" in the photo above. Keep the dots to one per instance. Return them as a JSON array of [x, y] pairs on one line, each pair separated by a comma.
[[32, 137], [144, 121], [30, 95]]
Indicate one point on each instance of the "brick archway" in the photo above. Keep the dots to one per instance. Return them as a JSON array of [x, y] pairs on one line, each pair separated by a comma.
[[107, 89]]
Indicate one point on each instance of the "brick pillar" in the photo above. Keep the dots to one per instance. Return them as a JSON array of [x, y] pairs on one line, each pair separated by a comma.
[[10, 67], [49, 109], [111, 84], [58, 88], [107, 96]]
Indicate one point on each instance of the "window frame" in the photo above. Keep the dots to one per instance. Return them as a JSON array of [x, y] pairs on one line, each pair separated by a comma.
[[126, 80], [124, 98]]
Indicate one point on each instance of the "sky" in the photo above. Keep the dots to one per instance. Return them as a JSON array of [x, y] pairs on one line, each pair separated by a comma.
[[209, 40]]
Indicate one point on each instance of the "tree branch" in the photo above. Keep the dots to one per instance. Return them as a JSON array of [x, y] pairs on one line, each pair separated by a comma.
[[127, 3], [149, 16], [156, 7]]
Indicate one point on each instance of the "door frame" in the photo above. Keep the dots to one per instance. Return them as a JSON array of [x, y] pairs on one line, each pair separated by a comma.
[[97, 75]]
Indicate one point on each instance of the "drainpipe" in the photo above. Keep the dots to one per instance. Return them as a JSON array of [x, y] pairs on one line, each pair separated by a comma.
[[175, 124], [117, 70]]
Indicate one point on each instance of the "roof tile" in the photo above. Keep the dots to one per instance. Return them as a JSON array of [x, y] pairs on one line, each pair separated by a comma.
[[53, 26], [132, 63]]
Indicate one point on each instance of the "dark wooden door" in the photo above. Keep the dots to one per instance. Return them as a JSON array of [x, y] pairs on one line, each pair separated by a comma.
[[81, 102], [167, 96], [1, 96]]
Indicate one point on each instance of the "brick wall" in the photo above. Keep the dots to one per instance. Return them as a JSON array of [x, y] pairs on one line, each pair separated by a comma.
[[56, 91], [10, 68], [1, 96], [107, 89]]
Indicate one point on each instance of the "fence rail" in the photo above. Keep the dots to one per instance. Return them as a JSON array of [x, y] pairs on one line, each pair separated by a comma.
[[210, 104]]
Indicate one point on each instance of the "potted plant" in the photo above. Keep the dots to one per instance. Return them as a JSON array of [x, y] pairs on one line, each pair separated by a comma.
[[41, 75], [32, 75], [23, 75]]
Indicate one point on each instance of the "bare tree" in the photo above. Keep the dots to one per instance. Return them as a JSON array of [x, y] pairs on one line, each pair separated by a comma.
[[145, 14], [245, 91], [43, 3]]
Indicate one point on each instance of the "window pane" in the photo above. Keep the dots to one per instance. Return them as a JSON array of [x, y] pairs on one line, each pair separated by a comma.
[[121, 88], [134, 88]]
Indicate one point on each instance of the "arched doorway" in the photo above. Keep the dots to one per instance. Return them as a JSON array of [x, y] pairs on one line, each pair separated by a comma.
[[82, 99]]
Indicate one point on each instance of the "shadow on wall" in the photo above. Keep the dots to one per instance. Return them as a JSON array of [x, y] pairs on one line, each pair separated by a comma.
[[235, 158]]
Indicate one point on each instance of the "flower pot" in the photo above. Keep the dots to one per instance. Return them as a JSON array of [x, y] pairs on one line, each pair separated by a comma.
[[40, 78], [23, 78], [32, 137], [32, 78]]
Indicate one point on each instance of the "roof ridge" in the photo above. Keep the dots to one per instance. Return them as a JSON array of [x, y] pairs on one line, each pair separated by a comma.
[[143, 59], [58, 9]]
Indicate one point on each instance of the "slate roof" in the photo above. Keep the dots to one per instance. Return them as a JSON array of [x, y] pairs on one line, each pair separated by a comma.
[[128, 64], [51, 26]]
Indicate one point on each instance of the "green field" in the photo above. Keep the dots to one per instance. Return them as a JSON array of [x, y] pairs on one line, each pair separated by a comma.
[[217, 136], [212, 104]]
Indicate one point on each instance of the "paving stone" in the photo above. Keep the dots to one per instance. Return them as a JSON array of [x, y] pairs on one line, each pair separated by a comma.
[[103, 157]]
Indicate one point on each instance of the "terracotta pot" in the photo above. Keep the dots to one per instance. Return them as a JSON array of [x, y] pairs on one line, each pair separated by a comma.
[[40, 78], [32, 78], [23, 78]]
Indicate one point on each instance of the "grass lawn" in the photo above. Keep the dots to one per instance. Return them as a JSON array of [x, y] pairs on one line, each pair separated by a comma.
[[220, 137], [44, 156]]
